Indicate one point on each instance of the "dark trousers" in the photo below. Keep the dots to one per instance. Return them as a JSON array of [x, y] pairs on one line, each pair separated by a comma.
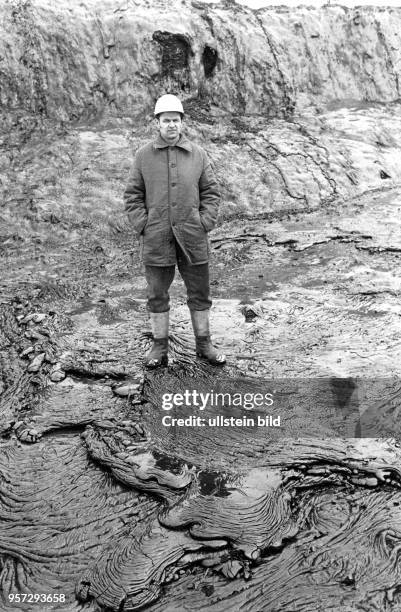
[[196, 279]]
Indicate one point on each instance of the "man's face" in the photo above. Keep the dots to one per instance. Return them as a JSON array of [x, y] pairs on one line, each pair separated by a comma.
[[170, 126]]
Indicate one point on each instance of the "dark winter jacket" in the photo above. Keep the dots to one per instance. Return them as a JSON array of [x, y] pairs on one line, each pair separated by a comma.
[[172, 192]]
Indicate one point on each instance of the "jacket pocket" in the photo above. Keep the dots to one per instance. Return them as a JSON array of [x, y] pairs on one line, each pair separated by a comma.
[[199, 220], [196, 242]]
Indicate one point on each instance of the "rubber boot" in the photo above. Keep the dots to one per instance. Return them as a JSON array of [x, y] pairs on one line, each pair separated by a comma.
[[204, 346], [158, 354]]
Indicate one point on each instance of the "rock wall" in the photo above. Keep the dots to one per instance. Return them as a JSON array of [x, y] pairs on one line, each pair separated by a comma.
[[296, 108], [73, 60]]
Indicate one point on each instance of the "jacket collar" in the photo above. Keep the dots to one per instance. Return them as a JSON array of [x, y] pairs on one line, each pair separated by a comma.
[[183, 143]]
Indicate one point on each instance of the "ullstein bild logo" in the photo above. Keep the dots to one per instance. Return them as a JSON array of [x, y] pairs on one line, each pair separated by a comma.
[[266, 421]]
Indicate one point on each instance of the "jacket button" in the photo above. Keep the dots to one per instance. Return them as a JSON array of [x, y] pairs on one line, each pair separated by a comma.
[[173, 184], [173, 203], [173, 165]]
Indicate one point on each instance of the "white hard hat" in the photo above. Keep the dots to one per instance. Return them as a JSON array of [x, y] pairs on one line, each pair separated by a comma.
[[167, 104]]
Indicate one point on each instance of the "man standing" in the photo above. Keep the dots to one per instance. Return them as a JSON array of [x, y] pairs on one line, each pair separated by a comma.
[[172, 202]]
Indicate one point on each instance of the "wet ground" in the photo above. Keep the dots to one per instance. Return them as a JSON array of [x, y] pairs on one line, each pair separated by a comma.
[[104, 502]]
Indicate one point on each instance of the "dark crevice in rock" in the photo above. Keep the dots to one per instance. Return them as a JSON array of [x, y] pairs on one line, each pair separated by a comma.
[[209, 61], [176, 50], [89, 376], [71, 430]]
